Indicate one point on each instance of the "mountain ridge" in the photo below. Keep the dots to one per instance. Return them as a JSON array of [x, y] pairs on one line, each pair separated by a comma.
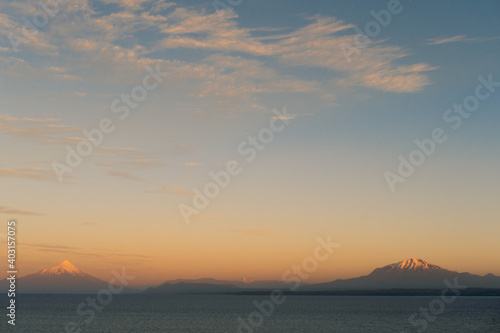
[[407, 274]]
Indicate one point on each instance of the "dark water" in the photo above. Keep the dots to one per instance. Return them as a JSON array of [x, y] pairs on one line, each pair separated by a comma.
[[155, 313]]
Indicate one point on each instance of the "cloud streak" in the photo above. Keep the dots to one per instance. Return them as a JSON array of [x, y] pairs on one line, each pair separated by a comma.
[[124, 175], [10, 211], [253, 232], [102, 254], [459, 38], [173, 189], [29, 173], [45, 130]]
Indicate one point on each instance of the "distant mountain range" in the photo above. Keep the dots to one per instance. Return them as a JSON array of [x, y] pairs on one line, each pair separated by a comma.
[[407, 274], [410, 274], [214, 286], [64, 278]]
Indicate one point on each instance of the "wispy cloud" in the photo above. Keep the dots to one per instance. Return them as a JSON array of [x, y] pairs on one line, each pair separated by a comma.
[[22, 69], [129, 4], [128, 158], [29, 173], [124, 175], [205, 217], [89, 223], [139, 163], [10, 211], [46, 130], [190, 164], [254, 232], [459, 38], [49, 247], [292, 116], [102, 254], [220, 81], [315, 45], [172, 189], [123, 151]]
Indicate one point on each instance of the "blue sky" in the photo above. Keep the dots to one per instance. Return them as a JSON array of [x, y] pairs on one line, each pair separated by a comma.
[[324, 174]]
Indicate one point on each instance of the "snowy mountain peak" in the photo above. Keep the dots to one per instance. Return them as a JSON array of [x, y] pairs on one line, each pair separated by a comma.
[[64, 267], [413, 265]]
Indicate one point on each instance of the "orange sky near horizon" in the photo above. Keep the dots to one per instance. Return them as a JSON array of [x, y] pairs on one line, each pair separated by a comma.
[[217, 251]]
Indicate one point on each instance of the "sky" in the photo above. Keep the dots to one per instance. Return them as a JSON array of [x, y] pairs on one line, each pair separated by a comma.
[[351, 86]]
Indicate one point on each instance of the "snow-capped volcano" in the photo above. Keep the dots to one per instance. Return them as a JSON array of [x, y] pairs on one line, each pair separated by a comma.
[[64, 267], [411, 274], [413, 265], [64, 278]]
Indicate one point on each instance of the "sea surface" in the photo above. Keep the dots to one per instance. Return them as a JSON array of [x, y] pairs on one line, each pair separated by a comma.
[[213, 313]]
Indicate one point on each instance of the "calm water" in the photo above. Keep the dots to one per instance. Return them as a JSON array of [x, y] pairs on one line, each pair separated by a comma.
[[154, 313]]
